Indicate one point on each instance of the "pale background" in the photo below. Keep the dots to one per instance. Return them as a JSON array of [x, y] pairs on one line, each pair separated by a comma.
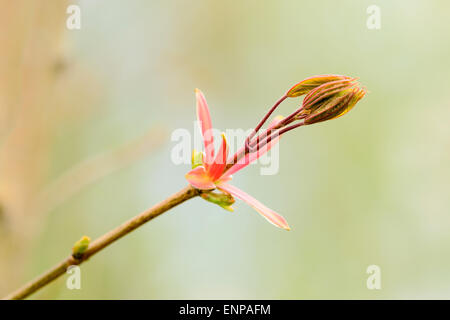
[[369, 188]]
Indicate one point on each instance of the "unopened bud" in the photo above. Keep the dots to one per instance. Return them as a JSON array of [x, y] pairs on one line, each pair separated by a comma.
[[80, 247], [325, 92], [311, 83], [334, 106], [225, 200]]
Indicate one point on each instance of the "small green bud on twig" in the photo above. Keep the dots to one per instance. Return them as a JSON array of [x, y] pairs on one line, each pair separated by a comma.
[[80, 247]]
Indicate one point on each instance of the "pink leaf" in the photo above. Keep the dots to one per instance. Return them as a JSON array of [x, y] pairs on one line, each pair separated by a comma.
[[216, 169], [205, 125], [200, 179], [267, 213], [272, 124]]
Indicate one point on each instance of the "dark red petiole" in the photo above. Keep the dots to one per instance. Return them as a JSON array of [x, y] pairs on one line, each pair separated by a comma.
[[261, 123]]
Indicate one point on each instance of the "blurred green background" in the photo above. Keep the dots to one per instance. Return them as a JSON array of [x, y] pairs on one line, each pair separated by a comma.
[[85, 123]]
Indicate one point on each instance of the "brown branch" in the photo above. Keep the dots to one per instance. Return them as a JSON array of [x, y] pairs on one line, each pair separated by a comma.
[[105, 240]]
